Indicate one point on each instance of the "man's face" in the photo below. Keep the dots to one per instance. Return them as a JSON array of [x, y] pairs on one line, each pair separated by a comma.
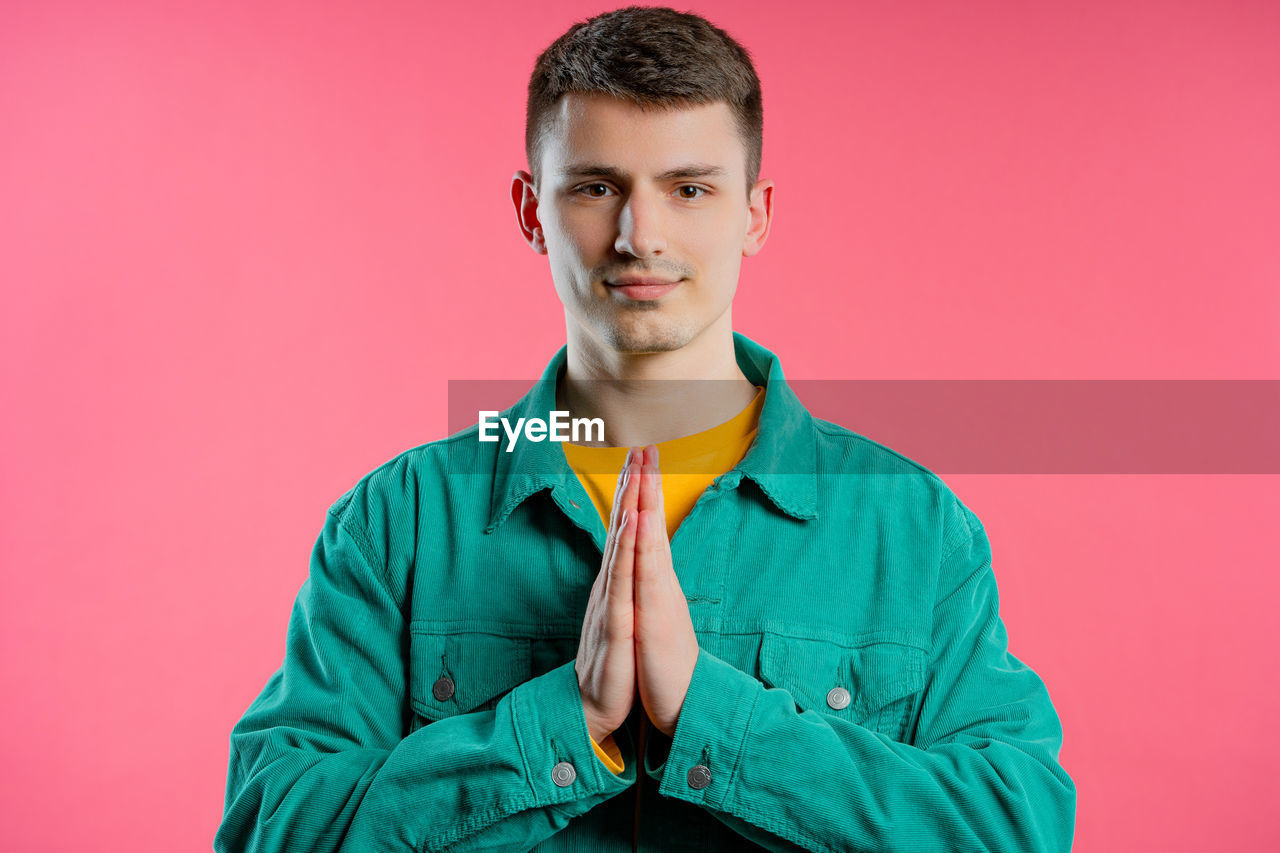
[[659, 196]]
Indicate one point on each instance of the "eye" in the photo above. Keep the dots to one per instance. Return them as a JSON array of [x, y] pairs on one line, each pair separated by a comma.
[[585, 190], [702, 191]]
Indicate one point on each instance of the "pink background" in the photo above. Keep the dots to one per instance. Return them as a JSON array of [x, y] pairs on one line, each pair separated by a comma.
[[244, 246]]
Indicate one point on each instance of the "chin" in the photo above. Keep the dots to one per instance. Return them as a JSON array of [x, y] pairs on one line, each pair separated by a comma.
[[639, 341]]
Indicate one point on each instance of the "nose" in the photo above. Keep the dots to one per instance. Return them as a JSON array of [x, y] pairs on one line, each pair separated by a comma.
[[640, 226]]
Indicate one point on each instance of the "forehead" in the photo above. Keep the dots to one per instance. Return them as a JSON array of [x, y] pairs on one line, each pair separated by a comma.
[[606, 130]]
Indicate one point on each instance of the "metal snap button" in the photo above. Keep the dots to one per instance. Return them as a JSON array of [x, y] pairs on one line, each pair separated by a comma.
[[563, 774], [443, 688], [838, 698], [699, 777]]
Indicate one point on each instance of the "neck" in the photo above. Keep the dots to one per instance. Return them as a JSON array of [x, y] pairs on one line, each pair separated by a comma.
[[647, 398]]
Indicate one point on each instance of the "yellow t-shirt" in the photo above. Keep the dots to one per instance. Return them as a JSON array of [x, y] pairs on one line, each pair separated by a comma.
[[710, 453]]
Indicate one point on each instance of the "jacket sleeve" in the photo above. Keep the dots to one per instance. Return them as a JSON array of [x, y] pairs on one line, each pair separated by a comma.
[[982, 772], [323, 759]]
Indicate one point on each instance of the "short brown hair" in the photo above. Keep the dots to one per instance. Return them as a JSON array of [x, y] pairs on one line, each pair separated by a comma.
[[655, 57]]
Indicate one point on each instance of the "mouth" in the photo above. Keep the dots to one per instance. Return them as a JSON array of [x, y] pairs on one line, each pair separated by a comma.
[[642, 288]]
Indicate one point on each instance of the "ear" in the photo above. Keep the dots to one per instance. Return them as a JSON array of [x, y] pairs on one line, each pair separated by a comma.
[[760, 216], [526, 202]]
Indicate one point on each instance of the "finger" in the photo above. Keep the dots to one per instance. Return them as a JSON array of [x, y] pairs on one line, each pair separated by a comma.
[[628, 481], [611, 539], [645, 557], [657, 478], [630, 494], [652, 497], [621, 578], [618, 487], [626, 501], [648, 499]]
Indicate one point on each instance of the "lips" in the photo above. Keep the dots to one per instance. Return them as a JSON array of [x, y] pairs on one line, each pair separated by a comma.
[[642, 287], [638, 279]]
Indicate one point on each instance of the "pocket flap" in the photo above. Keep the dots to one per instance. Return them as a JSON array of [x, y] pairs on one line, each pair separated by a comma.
[[875, 674], [479, 669]]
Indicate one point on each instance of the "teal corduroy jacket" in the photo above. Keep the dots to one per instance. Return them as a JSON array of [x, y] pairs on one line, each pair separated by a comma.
[[854, 690]]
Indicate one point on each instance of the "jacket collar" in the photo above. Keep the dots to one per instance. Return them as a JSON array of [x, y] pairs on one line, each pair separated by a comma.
[[781, 460]]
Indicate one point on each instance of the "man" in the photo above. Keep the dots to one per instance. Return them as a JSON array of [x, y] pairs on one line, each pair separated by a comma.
[[792, 643]]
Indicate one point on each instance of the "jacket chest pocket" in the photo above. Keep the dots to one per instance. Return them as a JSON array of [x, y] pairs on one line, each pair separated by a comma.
[[459, 672], [875, 684]]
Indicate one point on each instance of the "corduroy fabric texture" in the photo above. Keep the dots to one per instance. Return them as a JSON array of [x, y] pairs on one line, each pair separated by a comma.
[[427, 699]]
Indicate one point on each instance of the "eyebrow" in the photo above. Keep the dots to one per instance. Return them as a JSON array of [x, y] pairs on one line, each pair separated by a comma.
[[690, 170]]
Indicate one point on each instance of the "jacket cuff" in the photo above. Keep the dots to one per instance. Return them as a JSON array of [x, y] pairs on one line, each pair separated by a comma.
[[702, 755], [555, 745]]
